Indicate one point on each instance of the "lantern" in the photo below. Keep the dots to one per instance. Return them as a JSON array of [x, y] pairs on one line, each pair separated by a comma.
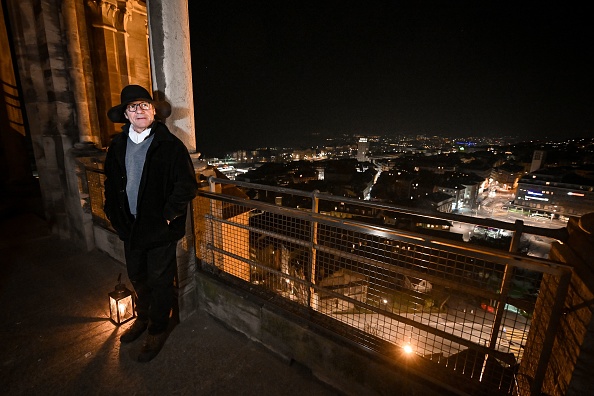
[[121, 304]]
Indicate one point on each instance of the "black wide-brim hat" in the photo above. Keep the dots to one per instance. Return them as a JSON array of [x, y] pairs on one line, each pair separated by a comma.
[[133, 93]]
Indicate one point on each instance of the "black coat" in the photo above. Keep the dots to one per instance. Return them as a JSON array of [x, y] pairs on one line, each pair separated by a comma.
[[167, 185]]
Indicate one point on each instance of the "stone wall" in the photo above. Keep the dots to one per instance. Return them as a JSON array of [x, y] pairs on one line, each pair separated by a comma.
[[15, 169], [568, 371], [42, 58], [118, 41]]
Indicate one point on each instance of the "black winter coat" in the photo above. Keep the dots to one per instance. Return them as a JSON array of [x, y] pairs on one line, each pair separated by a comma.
[[167, 185]]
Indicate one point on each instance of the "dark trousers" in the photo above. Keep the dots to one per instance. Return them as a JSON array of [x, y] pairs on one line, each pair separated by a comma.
[[151, 272]]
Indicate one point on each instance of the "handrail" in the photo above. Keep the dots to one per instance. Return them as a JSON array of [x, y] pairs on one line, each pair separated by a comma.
[[499, 256], [555, 233]]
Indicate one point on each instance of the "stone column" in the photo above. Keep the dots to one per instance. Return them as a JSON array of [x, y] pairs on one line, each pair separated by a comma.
[[171, 64], [81, 71], [169, 41], [42, 58], [110, 71], [138, 57]]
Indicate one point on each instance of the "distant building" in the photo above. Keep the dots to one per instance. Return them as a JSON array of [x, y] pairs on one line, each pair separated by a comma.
[[340, 171], [363, 150], [507, 175], [438, 201], [538, 159], [437, 164], [463, 187], [239, 156], [229, 171], [320, 169], [302, 172], [396, 185], [304, 155], [558, 191], [454, 190]]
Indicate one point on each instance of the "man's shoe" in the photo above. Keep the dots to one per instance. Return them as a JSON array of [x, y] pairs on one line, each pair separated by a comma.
[[134, 331], [152, 345]]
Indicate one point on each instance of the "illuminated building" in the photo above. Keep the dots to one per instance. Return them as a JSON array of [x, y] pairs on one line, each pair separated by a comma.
[[557, 191], [363, 150]]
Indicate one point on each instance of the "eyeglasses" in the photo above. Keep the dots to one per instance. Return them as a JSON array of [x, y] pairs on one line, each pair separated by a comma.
[[132, 107]]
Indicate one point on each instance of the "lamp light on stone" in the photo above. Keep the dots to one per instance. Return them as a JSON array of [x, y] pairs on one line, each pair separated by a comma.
[[121, 304]]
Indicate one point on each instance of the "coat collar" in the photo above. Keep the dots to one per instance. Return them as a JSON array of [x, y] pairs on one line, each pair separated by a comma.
[[158, 130]]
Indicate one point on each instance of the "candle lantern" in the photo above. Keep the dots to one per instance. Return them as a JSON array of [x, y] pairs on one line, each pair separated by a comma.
[[121, 304]]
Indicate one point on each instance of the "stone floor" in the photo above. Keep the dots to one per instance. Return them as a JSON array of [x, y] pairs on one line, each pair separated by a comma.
[[56, 338]]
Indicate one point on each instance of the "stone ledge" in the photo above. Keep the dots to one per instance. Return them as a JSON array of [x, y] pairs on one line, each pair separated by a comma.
[[335, 362]]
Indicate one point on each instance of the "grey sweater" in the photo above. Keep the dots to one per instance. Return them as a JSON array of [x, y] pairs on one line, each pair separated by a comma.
[[135, 156]]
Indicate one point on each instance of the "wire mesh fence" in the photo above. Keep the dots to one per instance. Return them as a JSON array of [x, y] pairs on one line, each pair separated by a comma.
[[467, 309]]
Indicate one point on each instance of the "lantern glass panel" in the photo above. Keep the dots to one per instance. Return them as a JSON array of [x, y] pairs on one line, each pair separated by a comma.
[[121, 307]]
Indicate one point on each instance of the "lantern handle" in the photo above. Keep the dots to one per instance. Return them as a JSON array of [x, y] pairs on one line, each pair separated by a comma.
[[119, 287]]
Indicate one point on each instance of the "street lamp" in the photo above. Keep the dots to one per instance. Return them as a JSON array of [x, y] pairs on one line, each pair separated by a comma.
[[121, 304], [408, 349]]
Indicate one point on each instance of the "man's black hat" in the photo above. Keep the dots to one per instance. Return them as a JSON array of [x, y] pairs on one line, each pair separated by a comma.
[[133, 93]]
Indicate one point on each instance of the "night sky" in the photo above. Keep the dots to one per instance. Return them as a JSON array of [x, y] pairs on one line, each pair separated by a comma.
[[277, 72]]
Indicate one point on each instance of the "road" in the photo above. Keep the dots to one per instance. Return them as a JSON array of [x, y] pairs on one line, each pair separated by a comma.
[[495, 205]]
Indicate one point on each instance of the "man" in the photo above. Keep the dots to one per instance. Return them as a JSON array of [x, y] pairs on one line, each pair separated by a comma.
[[149, 182]]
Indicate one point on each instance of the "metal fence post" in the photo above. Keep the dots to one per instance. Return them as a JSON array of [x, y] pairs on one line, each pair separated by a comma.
[[216, 234], [504, 289], [505, 285], [315, 201], [515, 243]]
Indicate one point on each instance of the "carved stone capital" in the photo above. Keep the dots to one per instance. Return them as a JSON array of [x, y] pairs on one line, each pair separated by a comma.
[[137, 6], [109, 14]]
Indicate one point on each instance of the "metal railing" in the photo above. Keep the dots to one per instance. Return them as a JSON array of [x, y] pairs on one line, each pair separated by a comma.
[[343, 265], [92, 179]]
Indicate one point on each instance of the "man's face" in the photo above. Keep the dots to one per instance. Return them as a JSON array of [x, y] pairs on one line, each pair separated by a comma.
[[141, 114]]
